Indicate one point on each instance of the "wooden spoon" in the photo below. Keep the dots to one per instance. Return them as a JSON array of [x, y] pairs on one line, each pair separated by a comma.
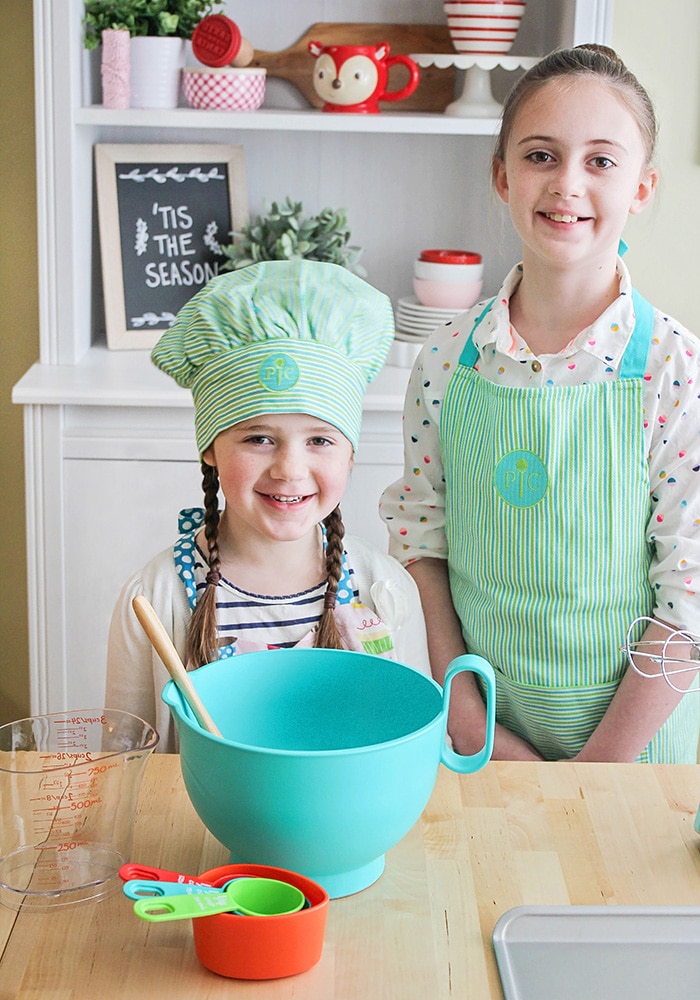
[[163, 645]]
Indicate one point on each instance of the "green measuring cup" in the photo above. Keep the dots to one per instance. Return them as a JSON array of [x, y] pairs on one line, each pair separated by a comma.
[[253, 897]]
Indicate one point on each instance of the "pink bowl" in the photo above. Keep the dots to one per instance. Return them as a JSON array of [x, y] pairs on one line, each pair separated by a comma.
[[225, 88], [447, 294], [447, 272]]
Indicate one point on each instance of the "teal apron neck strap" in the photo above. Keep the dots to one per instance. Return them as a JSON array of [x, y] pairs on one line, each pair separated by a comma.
[[634, 359], [469, 354]]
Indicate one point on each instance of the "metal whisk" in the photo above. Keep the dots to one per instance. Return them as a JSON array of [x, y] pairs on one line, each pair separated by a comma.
[[664, 653]]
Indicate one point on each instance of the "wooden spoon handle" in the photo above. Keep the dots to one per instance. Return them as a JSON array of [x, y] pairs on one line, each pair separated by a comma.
[[163, 645]]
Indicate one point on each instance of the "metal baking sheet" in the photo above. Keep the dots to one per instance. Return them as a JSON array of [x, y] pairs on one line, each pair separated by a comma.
[[598, 952]]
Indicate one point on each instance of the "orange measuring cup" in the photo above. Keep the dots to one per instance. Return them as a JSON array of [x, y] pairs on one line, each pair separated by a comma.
[[269, 947]]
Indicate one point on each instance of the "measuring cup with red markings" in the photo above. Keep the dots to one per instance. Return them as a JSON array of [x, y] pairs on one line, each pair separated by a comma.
[[69, 783]]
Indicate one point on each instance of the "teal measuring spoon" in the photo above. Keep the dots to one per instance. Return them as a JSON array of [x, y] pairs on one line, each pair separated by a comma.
[[254, 897], [152, 888]]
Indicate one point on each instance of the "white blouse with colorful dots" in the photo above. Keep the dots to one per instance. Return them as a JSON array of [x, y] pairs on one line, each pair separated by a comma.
[[413, 507]]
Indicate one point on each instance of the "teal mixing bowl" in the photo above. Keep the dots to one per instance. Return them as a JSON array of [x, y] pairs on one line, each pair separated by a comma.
[[327, 758]]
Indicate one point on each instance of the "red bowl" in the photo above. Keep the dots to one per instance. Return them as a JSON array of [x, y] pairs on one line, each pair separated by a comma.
[[451, 256], [240, 947]]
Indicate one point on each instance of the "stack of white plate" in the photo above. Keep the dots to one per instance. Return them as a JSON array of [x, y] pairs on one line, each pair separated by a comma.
[[414, 324], [416, 320]]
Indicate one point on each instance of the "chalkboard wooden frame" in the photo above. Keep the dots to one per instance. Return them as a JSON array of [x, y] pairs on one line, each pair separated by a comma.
[[217, 179]]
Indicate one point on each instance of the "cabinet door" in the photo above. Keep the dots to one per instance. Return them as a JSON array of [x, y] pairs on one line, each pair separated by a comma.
[[117, 514]]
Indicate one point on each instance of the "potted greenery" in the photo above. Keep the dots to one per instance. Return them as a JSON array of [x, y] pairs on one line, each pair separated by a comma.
[[283, 234], [162, 18], [158, 30]]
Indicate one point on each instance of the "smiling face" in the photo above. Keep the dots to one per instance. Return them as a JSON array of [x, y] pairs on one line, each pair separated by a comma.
[[280, 473], [574, 169]]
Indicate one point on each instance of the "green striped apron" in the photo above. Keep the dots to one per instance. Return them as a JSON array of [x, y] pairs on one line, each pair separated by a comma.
[[547, 503]]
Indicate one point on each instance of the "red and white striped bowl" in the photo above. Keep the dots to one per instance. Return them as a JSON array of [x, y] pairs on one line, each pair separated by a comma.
[[487, 27], [224, 89]]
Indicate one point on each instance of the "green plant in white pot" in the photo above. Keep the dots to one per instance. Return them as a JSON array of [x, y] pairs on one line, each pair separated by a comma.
[[282, 233], [162, 18], [158, 30]]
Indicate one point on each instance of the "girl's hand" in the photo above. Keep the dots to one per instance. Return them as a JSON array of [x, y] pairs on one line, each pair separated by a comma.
[[639, 708], [467, 720], [468, 736]]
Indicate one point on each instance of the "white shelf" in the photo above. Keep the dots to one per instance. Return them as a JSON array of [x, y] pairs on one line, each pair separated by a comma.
[[129, 378], [269, 119]]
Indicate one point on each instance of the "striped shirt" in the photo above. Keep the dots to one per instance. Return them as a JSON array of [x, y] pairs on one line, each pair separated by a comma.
[[275, 622]]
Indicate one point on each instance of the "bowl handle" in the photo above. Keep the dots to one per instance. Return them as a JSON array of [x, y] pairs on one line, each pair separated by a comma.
[[475, 761]]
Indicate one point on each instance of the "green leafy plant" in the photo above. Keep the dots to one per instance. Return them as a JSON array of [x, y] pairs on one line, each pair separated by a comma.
[[283, 234], [177, 18]]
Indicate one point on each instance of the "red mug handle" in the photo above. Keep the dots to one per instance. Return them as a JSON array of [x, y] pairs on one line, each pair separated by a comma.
[[414, 79]]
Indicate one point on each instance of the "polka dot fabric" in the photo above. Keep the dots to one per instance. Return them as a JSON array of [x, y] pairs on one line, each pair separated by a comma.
[[191, 519], [413, 507]]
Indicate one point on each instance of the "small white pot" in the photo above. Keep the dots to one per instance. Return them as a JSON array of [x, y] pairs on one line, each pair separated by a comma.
[[156, 67]]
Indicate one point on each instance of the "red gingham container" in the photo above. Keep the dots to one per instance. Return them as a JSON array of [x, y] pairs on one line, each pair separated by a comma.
[[224, 89]]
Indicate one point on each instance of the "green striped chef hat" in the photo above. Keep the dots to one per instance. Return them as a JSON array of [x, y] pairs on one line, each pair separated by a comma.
[[293, 336]]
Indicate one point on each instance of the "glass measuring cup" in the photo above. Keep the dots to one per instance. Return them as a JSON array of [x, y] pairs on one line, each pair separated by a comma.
[[69, 783], [253, 897]]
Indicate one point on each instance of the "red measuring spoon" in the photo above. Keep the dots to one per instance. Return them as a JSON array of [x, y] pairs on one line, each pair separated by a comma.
[[134, 871]]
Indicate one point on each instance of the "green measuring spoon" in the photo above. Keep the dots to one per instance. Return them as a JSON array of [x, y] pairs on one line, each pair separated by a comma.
[[253, 897]]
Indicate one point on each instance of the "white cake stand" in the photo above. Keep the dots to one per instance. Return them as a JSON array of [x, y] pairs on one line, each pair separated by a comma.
[[476, 99]]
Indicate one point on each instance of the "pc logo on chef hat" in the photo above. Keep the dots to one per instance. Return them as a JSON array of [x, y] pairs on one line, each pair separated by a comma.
[[293, 336], [279, 372]]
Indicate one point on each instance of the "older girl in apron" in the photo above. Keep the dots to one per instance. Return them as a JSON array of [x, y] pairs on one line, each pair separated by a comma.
[[548, 559]]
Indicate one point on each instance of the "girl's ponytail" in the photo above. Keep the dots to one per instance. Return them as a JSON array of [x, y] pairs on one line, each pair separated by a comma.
[[201, 635], [327, 634]]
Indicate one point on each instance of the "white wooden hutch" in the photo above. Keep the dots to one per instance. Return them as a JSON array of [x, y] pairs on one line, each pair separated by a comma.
[[109, 444]]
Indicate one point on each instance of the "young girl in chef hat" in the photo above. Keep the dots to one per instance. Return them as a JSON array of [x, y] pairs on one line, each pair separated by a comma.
[[278, 356], [551, 495]]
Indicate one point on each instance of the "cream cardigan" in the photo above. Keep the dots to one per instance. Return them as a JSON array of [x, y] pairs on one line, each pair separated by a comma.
[[136, 676]]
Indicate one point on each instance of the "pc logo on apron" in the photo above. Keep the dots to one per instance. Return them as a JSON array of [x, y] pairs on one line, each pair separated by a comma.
[[521, 479]]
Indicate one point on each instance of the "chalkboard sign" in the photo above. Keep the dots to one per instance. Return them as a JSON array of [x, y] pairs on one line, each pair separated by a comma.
[[164, 212]]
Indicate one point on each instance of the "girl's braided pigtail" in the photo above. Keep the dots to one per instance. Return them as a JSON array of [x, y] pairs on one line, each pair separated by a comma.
[[201, 635], [327, 634]]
